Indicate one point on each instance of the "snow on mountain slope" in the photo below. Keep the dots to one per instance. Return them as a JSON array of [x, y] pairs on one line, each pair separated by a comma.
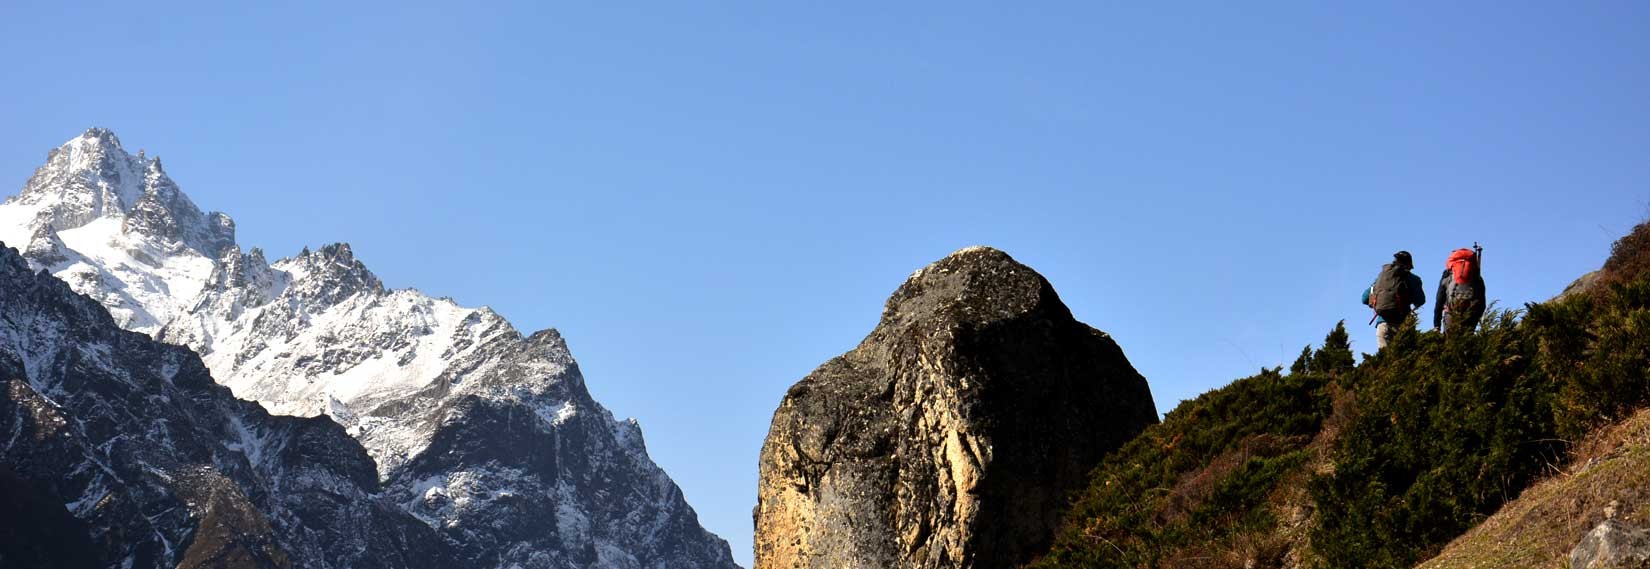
[[160, 467], [488, 436], [117, 228], [318, 334]]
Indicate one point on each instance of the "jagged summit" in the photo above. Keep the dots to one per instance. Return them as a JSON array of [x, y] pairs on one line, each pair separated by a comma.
[[163, 211], [330, 274], [117, 227], [101, 134], [87, 177], [92, 177], [236, 270], [11, 262], [45, 246]]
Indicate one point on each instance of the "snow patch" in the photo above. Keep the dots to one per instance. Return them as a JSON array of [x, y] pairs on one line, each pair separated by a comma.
[[246, 443], [556, 414], [94, 493]]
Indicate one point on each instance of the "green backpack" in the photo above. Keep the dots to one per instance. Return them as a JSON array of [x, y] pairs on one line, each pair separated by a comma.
[[1387, 296]]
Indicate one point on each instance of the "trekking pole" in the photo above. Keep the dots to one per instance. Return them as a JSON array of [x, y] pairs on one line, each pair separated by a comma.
[[1477, 254], [1373, 314]]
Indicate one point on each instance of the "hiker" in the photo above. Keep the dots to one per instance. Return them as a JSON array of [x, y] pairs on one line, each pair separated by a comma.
[[1460, 292], [1395, 294]]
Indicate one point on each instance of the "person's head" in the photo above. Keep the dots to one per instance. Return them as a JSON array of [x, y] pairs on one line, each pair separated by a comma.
[[1402, 259]]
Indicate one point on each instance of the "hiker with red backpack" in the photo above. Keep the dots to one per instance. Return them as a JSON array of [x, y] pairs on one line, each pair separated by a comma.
[[1394, 296], [1460, 292]]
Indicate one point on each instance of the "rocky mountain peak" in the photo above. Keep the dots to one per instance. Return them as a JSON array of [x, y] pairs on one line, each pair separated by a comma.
[[86, 178], [92, 177], [248, 272], [100, 135], [46, 247], [330, 274], [163, 211], [337, 252], [952, 434], [95, 145], [11, 263]]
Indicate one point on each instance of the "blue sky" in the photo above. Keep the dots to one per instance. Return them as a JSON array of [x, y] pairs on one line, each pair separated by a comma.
[[709, 201]]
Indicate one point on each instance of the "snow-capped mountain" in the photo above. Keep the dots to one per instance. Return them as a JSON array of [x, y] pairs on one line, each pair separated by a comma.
[[144, 462], [486, 435], [117, 228], [319, 334]]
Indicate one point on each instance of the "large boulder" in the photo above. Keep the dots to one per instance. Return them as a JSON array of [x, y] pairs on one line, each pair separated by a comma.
[[1612, 545], [951, 436]]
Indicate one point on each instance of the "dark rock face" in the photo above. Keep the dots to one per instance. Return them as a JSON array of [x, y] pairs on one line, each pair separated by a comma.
[[952, 434], [163, 211], [129, 448], [51, 538], [544, 468]]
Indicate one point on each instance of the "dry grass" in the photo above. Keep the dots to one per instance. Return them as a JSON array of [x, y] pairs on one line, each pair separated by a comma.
[[1630, 255], [1539, 528], [1242, 549], [1286, 546], [1629, 260]]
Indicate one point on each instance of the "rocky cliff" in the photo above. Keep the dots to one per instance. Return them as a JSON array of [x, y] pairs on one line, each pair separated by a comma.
[[952, 434]]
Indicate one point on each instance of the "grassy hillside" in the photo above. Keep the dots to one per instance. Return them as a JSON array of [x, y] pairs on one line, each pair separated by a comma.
[[1379, 464]]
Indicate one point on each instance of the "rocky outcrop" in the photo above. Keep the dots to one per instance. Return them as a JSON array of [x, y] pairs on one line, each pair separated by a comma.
[[1582, 285], [952, 434], [1612, 545]]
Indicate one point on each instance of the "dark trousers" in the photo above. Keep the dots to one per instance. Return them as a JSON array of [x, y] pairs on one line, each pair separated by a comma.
[[1467, 323]]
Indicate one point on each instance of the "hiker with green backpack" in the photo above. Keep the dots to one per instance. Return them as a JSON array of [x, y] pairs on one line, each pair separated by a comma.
[[1460, 292], [1394, 296]]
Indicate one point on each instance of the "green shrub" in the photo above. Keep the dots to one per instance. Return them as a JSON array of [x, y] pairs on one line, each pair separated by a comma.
[[1203, 476], [1598, 347], [1445, 431]]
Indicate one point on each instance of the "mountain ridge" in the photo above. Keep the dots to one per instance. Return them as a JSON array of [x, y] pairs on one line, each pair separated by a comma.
[[318, 334], [166, 468]]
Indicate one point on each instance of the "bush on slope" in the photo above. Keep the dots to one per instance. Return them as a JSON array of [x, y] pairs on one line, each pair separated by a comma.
[[1199, 484], [1445, 430]]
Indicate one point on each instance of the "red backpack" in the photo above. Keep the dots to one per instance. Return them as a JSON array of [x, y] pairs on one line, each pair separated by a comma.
[[1461, 296]]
